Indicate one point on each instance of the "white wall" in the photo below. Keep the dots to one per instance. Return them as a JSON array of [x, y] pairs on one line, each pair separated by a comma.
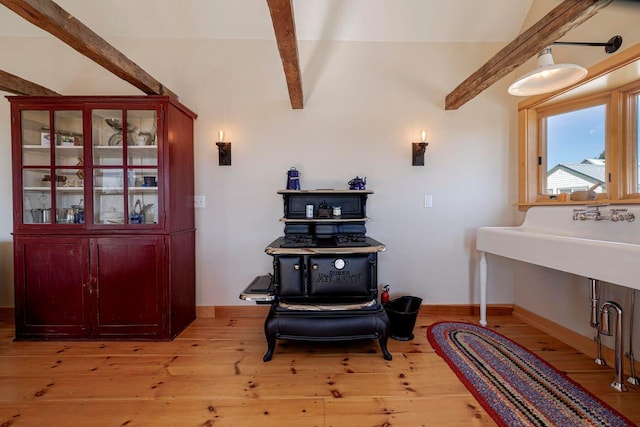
[[364, 105]]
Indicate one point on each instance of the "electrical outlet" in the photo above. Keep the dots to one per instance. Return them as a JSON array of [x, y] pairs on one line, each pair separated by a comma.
[[428, 201], [199, 202]]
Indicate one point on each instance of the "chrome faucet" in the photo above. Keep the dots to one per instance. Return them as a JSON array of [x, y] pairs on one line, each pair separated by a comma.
[[579, 214], [622, 215], [585, 214], [617, 215]]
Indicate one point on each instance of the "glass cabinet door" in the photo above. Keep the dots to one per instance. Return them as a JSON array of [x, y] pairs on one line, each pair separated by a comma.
[[68, 178], [142, 167], [125, 166], [52, 166]]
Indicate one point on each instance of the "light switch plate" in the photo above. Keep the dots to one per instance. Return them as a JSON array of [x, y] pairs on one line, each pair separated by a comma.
[[199, 202]]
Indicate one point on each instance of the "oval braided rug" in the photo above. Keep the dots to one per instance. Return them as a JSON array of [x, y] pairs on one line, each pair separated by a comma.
[[516, 387]]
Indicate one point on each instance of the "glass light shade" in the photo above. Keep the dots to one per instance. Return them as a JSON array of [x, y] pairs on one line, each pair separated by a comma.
[[547, 77]]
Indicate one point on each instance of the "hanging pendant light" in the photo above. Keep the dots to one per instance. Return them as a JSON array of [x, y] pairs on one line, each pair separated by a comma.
[[549, 77]]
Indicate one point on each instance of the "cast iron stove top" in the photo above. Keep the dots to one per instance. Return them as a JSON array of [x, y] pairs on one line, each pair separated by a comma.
[[330, 241]]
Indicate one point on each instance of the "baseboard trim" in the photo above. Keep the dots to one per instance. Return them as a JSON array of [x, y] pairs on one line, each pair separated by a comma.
[[464, 310], [6, 313], [567, 336], [425, 310], [232, 311]]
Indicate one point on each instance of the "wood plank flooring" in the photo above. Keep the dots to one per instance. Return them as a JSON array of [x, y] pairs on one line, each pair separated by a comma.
[[213, 375]]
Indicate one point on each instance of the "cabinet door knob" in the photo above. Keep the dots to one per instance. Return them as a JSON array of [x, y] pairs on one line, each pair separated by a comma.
[[314, 266], [296, 267]]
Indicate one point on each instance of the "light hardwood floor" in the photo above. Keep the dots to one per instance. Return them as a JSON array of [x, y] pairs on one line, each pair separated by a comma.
[[213, 375]]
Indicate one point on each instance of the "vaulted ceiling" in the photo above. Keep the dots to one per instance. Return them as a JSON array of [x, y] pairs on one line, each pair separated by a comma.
[[356, 20], [90, 25]]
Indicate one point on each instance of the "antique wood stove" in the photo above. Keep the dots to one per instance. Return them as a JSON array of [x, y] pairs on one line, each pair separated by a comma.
[[324, 281]]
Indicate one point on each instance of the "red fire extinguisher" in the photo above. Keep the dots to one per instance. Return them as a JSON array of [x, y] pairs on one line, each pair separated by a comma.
[[384, 295]]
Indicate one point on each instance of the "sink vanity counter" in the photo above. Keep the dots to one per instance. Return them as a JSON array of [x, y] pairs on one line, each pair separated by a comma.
[[602, 249]]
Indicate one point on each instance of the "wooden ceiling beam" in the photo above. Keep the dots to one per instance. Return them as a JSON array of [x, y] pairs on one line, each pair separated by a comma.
[[567, 15], [47, 15], [285, 29], [19, 86]]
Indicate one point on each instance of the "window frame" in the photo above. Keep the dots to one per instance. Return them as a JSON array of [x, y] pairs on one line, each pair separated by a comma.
[[631, 133], [567, 107]]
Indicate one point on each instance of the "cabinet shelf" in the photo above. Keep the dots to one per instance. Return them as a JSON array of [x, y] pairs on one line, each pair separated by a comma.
[[60, 150], [120, 190], [115, 152], [112, 190], [102, 151], [143, 189], [59, 189]]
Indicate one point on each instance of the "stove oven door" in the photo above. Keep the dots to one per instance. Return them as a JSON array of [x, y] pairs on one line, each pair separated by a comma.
[[350, 276], [289, 275]]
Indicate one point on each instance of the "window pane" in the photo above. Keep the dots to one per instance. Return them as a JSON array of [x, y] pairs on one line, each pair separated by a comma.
[[68, 137], [36, 138], [107, 129], [36, 196], [575, 151], [143, 195], [108, 196], [142, 143]]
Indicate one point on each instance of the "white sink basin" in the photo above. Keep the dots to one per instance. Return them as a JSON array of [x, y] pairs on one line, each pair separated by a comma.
[[603, 250], [609, 261]]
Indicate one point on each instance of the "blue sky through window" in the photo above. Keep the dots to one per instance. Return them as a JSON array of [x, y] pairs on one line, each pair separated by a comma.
[[575, 136]]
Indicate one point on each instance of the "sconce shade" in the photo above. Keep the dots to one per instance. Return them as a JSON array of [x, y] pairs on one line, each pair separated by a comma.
[[547, 77], [417, 153], [224, 153]]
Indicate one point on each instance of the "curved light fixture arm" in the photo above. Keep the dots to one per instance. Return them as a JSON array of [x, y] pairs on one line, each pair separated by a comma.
[[611, 46]]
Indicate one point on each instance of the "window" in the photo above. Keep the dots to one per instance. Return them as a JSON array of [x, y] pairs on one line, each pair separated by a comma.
[[572, 151]]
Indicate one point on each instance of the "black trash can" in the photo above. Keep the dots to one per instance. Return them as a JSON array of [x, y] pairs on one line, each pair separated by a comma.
[[403, 312]]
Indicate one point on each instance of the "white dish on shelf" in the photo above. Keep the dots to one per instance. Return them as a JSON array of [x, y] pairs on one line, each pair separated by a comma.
[[112, 217]]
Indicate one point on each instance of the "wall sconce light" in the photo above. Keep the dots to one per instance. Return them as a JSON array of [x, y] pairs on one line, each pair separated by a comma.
[[224, 150], [418, 150]]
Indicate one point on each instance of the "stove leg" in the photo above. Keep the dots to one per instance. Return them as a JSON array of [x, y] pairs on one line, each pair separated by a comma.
[[270, 334], [383, 347], [271, 346]]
